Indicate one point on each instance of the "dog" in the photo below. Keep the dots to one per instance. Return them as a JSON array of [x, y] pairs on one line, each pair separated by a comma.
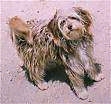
[[66, 39]]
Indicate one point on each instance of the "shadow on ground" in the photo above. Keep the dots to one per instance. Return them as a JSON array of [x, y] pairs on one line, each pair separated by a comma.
[[56, 72]]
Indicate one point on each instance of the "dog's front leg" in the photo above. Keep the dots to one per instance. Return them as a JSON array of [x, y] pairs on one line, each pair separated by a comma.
[[86, 58], [75, 73], [77, 84]]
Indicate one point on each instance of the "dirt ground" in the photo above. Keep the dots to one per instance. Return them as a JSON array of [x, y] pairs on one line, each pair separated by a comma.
[[15, 89]]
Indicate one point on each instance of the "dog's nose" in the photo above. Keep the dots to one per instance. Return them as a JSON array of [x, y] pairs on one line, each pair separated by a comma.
[[70, 27]]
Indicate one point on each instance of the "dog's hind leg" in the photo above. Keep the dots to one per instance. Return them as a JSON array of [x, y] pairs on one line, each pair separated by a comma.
[[37, 77]]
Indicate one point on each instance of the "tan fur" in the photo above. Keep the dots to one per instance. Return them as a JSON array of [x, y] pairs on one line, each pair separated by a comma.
[[57, 42], [18, 25]]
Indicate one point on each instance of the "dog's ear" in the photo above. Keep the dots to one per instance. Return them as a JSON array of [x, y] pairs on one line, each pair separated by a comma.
[[55, 16], [52, 25], [85, 15]]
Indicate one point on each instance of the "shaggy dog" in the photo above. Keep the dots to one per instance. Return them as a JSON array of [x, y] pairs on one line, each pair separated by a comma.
[[66, 39]]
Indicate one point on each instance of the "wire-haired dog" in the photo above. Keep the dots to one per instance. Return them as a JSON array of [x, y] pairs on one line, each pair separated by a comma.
[[66, 39]]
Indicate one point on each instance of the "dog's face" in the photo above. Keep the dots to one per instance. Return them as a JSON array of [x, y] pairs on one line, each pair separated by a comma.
[[70, 26], [73, 24]]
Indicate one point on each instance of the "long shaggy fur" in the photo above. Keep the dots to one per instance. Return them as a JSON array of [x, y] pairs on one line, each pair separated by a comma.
[[52, 42]]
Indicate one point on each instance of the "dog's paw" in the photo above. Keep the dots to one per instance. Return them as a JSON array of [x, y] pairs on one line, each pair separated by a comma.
[[99, 77], [43, 86], [81, 93]]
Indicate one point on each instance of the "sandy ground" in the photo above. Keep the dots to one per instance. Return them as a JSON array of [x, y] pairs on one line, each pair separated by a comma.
[[15, 89]]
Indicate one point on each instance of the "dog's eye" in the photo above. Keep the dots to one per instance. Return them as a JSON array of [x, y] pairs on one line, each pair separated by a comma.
[[71, 17], [63, 21], [74, 18]]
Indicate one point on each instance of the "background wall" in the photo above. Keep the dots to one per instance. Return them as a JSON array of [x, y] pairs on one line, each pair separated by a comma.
[[15, 89]]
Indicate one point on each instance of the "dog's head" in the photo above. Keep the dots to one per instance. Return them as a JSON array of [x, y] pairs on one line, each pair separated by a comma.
[[72, 24]]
